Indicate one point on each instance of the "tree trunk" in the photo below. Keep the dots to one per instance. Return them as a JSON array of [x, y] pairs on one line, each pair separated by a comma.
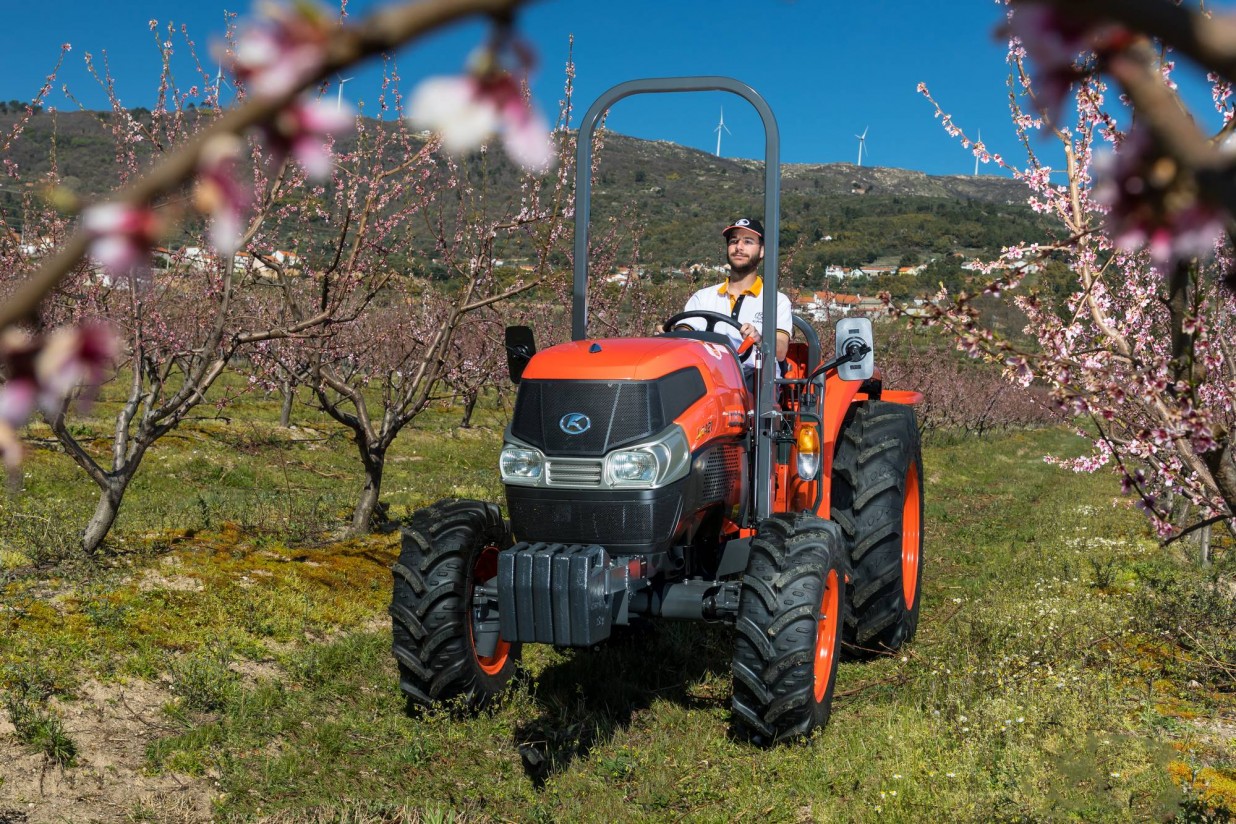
[[469, 406], [1180, 511], [285, 413], [369, 512], [105, 513]]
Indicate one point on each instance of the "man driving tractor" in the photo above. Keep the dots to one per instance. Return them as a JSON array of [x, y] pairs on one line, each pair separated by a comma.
[[739, 295]]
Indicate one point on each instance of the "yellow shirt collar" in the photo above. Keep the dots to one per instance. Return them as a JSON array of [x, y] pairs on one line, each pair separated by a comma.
[[753, 290]]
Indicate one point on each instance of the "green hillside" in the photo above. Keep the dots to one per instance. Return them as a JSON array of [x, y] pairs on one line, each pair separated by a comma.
[[669, 202]]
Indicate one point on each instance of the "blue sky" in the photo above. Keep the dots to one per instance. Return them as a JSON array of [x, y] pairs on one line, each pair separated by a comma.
[[828, 69]]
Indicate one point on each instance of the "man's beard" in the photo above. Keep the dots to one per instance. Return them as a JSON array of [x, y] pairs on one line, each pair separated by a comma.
[[746, 269]]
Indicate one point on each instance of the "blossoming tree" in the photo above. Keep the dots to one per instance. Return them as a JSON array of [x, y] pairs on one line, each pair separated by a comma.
[[181, 327], [377, 374], [1141, 348]]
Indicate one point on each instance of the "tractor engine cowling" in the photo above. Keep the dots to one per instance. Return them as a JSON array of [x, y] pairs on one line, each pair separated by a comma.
[[624, 442]]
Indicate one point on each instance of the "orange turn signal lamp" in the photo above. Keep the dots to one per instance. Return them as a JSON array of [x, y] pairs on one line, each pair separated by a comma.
[[808, 452]]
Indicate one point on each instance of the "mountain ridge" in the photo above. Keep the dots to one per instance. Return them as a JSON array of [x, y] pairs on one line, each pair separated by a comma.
[[671, 200]]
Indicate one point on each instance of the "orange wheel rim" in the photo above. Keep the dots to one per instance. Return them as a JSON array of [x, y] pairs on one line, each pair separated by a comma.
[[826, 634], [486, 567], [911, 536]]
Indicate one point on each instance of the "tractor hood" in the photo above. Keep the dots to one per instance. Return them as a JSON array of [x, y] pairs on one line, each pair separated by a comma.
[[629, 390], [637, 359]]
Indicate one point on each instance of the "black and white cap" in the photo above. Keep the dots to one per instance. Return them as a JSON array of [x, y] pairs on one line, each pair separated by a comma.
[[745, 223]]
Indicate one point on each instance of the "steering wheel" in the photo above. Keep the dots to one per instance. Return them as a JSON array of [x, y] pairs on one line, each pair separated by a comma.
[[711, 319]]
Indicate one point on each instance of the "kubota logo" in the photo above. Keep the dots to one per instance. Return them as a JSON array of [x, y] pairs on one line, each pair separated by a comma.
[[575, 423]]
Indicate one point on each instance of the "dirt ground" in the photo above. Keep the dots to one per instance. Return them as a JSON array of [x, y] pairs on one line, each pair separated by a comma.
[[111, 726]]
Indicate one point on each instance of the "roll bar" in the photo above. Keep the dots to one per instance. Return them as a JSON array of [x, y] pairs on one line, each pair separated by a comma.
[[772, 229]]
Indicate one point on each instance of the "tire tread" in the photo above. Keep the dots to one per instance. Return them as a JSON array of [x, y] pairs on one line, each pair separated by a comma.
[[431, 638], [874, 453], [774, 652]]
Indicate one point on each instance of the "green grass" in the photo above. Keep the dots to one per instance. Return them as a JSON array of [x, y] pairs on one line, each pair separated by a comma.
[[1066, 668], [237, 468], [39, 728]]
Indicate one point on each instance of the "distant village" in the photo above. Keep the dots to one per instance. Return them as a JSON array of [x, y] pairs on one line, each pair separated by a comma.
[[818, 305]]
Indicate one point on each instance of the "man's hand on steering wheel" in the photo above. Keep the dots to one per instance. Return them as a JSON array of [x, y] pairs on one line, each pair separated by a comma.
[[750, 335]]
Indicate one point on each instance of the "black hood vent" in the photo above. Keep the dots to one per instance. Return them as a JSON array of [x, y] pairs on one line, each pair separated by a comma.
[[590, 418]]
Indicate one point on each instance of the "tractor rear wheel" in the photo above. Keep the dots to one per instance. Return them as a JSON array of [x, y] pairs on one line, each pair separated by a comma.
[[447, 550], [788, 634], [877, 498]]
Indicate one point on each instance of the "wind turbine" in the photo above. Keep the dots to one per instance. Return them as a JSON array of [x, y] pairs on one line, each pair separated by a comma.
[[721, 126], [220, 82], [862, 143], [339, 97], [976, 157]]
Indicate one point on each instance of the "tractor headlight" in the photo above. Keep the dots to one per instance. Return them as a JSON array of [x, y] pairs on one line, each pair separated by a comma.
[[521, 466], [633, 466], [650, 464]]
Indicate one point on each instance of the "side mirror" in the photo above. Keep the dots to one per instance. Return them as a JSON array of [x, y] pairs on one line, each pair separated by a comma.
[[854, 337], [520, 347]]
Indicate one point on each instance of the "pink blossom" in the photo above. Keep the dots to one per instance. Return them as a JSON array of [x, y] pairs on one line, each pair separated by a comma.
[[72, 357], [1152, 205], [467, 110], [1053, 39], [282, 49], [42, 372], [526, 138], [18, 398], [218, 193], [452, 107], [1221, 93], [19, 394], [1019, 369], [303, 130], [1129, 483], [121, 236]]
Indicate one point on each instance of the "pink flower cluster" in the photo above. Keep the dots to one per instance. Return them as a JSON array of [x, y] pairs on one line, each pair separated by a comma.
[[304, 130], [40, 373], [1151, 204], [122, 237], [280, 51], [1053, 40], [467, 110], [219, 194], [274, 55], [281, 48]]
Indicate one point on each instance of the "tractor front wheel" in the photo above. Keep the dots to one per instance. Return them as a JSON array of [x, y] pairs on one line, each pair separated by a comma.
[[877, 498], [447, 550], [790, 619]]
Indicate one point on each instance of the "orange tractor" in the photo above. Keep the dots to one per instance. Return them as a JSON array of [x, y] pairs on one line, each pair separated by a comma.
[[650, 478]]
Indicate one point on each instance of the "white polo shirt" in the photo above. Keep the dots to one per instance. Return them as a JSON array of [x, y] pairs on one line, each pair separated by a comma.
[[717, 299]]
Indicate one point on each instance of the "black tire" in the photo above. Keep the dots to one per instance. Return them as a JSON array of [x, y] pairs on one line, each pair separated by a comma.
[[877, 500], [788, 634], [446, 550]]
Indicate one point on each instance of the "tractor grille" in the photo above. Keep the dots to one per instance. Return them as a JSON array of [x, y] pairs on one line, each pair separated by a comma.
[[567, 472], [722, 474], [606, 520], [619, 412]]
